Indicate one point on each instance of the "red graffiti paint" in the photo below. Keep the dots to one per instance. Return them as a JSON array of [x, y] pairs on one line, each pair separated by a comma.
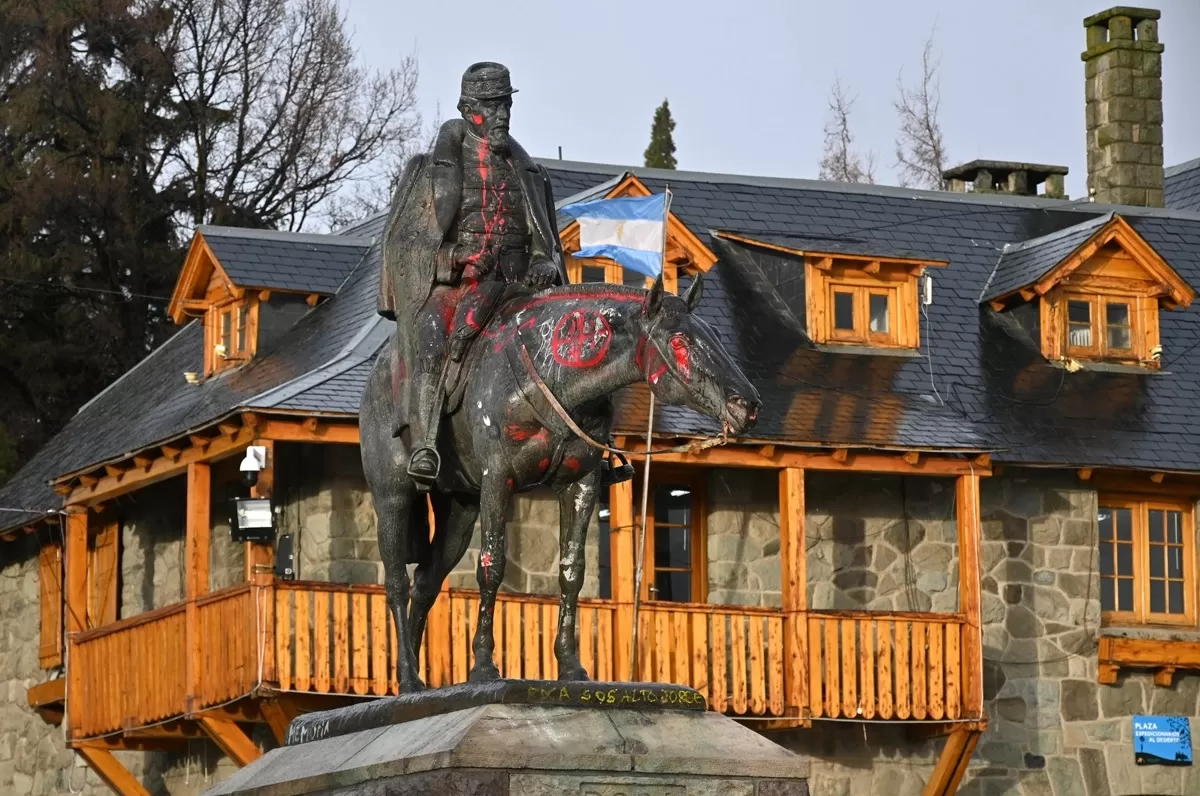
[[571, 463], [477, 118], [544, 464], [504, 333], [683, 357], [644, 355], [523, 432], [581, 339], [485, 560], [585, 292]]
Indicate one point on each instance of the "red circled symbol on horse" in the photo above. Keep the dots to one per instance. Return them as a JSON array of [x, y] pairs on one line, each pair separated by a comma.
[[580, 339]]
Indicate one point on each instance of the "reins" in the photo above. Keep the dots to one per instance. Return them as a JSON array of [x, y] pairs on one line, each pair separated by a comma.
[[691, 447]]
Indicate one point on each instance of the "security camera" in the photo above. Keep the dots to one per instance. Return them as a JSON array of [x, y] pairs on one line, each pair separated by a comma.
[[253, 464]]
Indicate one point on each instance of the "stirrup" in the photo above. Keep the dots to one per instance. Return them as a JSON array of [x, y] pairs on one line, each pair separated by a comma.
[[610, 475], [424, 478]]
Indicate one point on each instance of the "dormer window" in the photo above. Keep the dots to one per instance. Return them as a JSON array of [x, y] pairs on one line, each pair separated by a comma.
[[686, 254], [230, 333], [1098, 287]]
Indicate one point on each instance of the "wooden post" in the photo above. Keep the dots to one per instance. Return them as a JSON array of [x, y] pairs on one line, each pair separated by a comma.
[[621, 538], [260, 557], [969, 579], [196, 551], [76, 590], [794, 580]]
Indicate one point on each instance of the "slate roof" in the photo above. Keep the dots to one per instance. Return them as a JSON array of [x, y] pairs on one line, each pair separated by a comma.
[[978, 382], [833, 245], [1182, 186], [296, 261], [1024, 263]]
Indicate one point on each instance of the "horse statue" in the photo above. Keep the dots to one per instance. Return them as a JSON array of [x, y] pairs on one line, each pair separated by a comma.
[[541, 371]]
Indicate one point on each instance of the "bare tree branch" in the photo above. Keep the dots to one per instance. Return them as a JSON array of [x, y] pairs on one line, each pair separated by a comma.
[[920, 151], [281, 116], [839, 162]]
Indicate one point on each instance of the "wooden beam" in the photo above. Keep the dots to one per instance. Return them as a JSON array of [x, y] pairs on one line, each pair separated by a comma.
[[622, 541], [88, 480], [76, 605], [230, 738], [63, 488], [109, 769], [162, 468], [115, 471], [982, 460], [294, 431], [279, 713], [872, 267], [912, 457], [250, 419], [1164, 677], [863, 462], [793, 557], [969, 597], [312, 299], [200, 441], [841, 455], [952, 763], [1158, 478], [196, 568], [997, 305], [260, 557], [172, 452], [1085, 473], [143, 463], [309, 424], [264, 295], [1028, 294], [767, 451], [228, 429]]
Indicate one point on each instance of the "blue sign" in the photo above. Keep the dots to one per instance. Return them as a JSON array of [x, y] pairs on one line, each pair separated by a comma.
[[1162, 740]]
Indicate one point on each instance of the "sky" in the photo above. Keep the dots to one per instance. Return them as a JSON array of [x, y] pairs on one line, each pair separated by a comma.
[[748, 80]]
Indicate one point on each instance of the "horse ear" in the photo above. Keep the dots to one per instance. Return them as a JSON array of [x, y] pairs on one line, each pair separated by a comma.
[[692, 297], [655, 299]]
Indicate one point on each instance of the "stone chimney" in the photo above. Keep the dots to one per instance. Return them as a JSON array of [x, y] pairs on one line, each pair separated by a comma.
[[1123, 67], [1005, 176]]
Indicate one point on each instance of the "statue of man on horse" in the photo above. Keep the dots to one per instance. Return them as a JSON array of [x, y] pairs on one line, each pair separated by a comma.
[[467, 219], [471, 253]]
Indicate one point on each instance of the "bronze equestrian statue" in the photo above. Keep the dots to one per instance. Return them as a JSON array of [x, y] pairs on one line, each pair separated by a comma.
[[520, 356]]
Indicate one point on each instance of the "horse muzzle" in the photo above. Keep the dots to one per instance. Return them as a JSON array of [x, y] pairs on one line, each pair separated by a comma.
[[740, 414]]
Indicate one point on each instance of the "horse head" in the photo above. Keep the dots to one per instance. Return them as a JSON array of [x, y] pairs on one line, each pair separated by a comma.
[[683, 361]]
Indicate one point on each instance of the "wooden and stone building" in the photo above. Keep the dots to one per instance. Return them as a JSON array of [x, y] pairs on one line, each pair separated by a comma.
[[957, 552]]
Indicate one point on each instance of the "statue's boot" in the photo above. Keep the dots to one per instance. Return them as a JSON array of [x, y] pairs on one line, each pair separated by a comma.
[[424, 464]]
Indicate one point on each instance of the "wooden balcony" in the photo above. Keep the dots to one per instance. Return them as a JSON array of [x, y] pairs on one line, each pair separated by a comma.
[[310, 640]]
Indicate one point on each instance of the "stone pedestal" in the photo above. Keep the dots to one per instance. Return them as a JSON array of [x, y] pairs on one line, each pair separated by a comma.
[[525, 739]]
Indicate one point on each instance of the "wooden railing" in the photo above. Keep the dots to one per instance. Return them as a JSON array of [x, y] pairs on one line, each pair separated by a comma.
[[865, 665], [325, 638], [132, 671]]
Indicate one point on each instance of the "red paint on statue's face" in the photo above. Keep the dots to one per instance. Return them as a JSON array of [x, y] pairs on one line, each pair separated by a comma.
[[683, 357], [477, 118]]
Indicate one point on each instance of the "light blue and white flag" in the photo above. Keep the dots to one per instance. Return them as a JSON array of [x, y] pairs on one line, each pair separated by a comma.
[[629, 230]]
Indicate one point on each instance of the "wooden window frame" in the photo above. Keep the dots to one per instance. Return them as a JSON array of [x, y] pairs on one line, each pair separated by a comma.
[[614, 273], [1143, 325], [1140, 507], [243, 317], [697, 482], [863, 277], [50, 580]]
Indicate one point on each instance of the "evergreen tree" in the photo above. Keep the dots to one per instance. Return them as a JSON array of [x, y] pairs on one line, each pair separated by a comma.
[[661, 152]]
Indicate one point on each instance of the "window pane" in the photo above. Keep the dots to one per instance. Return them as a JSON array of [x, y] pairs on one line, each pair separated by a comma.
[[843, 311], [1125, 595], [1124, 524], [1105, 519], [1156, 561], [633, 278], [1158, 598], [1174, 562], [591, 273], [1175, 527], [1156, 526], [1125, 559], [1117, 319], [1175, 597], [1079, 323], [879, 313], [673, 504], [1079, 312], [1106, 559], [241, 330], [674, 586], [226, 330], [672, 547], [1106, 595]]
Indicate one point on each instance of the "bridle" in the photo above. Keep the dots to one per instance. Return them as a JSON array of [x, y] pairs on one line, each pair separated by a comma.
[[548, 394]]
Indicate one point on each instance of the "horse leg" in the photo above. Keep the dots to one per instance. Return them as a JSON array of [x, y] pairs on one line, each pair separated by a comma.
[[495, 496], [455, 521], [576, 502], [393, 509]]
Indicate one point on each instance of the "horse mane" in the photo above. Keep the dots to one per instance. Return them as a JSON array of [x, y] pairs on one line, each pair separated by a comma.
[[598, 288]]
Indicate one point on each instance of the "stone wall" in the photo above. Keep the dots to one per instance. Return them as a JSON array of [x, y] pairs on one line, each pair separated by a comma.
[[743, 538], [152, 532]]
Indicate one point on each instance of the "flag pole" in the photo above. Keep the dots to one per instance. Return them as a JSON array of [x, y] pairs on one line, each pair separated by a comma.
[[640, 555]]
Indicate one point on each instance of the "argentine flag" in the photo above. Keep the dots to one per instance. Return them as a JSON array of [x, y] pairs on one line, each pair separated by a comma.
[[629, 230]]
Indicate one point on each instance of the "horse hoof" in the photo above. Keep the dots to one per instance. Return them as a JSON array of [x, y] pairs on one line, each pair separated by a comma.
[[484, 674], [575, 673]]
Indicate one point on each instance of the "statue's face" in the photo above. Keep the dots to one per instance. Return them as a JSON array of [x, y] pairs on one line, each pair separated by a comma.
[[489, 120]]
